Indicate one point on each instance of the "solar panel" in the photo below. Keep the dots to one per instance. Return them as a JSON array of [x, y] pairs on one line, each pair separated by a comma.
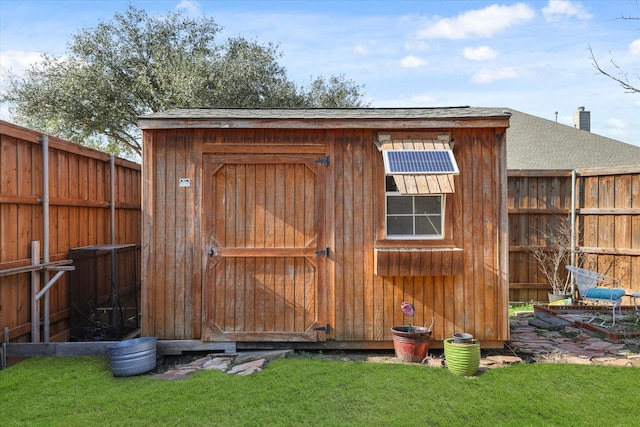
[[406, 162]]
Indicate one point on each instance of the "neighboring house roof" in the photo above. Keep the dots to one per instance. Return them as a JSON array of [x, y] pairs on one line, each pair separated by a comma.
[[537, 143]]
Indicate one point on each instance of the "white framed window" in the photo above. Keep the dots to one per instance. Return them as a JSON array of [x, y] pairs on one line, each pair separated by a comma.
[[413, 216]]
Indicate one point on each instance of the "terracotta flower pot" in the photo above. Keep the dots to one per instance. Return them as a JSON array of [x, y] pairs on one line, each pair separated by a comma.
[[411, 346]]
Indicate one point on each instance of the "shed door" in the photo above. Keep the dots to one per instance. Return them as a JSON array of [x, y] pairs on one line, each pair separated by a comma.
[[263, 277]]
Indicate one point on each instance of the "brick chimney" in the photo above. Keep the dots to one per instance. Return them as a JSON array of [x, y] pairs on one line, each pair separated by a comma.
[[582, 119]]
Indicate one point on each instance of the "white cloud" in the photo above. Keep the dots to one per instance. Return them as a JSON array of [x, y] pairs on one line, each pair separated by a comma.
[[190, 6], [18, 61], [480, 53], [361, 50], [412, 61], [478, 23], [557, 9], [616, 123], [612, 132], [634, 47], [488, 76]]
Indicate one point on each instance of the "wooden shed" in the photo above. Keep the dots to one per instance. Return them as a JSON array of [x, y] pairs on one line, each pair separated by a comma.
[[302, 227]]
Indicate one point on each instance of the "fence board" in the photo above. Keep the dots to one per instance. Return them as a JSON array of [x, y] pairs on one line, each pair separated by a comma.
[[608, 223], [79, 216], [608, 203]]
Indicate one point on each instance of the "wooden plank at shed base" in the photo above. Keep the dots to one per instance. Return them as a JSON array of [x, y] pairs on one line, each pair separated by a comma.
[[176, 347], [93, 348], [348, 345], [99, 348]]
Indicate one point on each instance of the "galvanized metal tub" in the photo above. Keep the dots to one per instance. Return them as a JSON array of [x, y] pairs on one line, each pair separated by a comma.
[[132, 357]]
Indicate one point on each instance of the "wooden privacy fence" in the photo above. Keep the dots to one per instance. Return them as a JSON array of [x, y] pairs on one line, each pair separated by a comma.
[[91, 199], [81, 212], [607, 203]]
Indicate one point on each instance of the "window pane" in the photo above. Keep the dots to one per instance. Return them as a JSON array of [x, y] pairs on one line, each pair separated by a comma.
[[399, 225], [428, 205], [430, 225], [400, 205]]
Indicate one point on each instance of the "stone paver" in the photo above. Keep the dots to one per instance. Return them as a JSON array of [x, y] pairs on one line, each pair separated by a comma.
[[240, 364], [218, 363], [249, 366], [566, 344]]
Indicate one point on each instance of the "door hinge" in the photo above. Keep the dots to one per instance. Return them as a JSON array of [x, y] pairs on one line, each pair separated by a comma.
[[323, 252], [323, 161], [326, 328]]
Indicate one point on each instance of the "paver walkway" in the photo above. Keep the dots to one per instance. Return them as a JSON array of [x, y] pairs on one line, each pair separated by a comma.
[[568, 344], [240, 364]]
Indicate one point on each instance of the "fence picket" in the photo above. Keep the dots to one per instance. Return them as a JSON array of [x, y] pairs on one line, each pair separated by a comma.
[[79, 216]]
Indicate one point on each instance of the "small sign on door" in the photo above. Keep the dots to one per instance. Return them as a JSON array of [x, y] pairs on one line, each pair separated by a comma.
[[185, 182]]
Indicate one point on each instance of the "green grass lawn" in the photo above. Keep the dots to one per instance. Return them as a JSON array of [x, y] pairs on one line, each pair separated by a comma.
[[513, 309], [81, 391]]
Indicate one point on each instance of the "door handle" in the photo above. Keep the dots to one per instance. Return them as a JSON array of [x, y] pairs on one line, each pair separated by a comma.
[[211, 252]]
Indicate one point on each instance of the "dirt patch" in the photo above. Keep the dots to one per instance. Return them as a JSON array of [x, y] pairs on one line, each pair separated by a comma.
[[168, 363]]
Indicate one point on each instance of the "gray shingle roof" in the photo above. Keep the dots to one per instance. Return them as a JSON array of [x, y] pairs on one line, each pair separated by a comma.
[[323, 113], [537, 143], [532, 142]]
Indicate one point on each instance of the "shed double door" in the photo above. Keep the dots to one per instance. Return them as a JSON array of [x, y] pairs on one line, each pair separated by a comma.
[[262, 221]]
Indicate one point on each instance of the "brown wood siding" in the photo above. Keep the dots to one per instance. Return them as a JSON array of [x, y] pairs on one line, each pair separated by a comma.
[[360, 305], [260, 280], [419, 262], [79, 193], [164, 224], [171, 295], [474, 300]]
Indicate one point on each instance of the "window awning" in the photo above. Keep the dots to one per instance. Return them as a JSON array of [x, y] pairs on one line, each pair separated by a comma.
[[434, 182]]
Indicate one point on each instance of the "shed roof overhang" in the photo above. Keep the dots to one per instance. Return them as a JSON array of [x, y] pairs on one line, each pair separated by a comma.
[[326, 118]]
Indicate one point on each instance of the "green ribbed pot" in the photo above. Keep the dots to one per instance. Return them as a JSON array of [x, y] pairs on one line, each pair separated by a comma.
[[462, 359]]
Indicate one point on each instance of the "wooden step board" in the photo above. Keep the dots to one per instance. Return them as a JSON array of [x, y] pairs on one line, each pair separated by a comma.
[[99, 348]]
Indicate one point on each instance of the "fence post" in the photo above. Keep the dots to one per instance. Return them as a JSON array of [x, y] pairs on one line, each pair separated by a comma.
[[35, 288], [573, 231], [112, 201]]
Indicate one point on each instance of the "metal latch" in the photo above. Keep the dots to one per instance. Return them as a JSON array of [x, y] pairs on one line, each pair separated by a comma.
[[323, 252], [326, 328], [323, 161]]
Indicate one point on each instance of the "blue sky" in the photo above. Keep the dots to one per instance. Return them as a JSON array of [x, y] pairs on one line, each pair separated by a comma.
[[531, 56]]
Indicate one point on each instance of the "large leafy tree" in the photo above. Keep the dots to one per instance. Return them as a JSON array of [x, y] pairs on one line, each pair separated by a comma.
[[137, 64]]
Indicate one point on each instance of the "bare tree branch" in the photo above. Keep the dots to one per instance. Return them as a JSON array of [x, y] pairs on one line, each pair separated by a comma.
[[622, 81], [556, 253]]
